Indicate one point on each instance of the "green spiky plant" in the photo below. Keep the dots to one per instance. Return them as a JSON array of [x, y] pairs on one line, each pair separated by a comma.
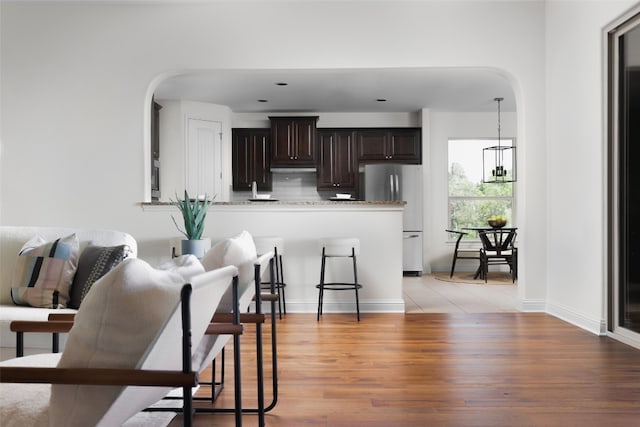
[[193, 213]]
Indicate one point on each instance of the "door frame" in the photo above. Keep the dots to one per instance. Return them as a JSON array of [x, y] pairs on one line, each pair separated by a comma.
[[623, 25]]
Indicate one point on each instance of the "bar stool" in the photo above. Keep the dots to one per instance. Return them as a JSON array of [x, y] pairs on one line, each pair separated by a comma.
[[265, 244], [334, 248]]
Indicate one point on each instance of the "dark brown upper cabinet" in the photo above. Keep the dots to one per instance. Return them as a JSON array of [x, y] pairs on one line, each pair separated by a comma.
[[390, 145], [337, 164], [293, 141], [251, 159]]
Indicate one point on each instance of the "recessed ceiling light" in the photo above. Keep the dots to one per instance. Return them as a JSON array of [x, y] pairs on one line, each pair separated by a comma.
[[282, 84], [263, 100]]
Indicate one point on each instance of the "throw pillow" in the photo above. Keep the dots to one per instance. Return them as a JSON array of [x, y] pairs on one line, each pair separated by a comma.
[[239, 251], [115, 325], [94, 262], [44, 272]]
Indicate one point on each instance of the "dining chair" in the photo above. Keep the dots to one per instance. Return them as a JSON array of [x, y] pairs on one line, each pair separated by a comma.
[[462, 253], [498, 247]]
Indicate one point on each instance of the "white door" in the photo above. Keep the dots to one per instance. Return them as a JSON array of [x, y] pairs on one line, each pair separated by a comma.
[[203, 156]]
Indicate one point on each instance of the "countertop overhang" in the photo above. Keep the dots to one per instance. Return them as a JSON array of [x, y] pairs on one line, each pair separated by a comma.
[[289, 205]]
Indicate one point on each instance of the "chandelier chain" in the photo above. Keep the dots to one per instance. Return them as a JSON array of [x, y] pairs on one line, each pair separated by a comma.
[[498, 100]]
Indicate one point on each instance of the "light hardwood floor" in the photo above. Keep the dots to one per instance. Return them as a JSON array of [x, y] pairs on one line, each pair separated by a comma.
[[442, 369]]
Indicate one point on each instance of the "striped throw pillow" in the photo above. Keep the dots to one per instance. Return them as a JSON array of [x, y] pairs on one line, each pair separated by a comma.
[[44, 272]]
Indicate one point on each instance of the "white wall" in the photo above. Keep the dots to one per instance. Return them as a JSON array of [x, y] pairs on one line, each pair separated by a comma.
[[576, 144], [442, 127], [77, 82]]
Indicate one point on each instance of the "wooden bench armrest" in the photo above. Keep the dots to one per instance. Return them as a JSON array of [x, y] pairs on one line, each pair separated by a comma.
[[98, 376], [244, 318], [62, 317], [224, 329], [52, 326]]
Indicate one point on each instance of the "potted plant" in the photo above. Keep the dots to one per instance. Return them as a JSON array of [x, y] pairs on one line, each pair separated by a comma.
[[194, 212]]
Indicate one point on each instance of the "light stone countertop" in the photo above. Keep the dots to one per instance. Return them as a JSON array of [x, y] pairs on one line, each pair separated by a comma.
[[294, 202], [286, 206]]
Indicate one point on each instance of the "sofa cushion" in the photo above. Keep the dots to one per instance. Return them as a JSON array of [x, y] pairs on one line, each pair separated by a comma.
[[239, 251], [94, 262], [12, 238], [27, 404], [115, 325], [44, 272]]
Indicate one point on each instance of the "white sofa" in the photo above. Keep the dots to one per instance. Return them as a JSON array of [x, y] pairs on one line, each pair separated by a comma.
[[12, 238]]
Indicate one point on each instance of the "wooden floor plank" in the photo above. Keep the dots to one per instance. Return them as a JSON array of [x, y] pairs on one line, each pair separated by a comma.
[[495, 369]]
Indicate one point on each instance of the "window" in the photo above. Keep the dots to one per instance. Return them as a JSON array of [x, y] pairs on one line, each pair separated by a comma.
[[472, 202]]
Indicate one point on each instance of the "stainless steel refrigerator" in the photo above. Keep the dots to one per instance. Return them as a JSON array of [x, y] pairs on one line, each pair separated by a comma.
[[401, 182]]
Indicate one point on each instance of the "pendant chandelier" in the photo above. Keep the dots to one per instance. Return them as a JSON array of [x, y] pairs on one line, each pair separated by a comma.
[[499, 161]]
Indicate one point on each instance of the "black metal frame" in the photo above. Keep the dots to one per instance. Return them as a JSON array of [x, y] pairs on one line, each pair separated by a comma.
[[187, 402], [187, 398], [216, 387], [279, 283], [338, 286]]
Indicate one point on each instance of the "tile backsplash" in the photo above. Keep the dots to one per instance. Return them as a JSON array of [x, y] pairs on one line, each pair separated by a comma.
[[298, 186]]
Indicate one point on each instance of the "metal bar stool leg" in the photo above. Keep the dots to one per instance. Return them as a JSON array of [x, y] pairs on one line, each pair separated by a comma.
[[266, 244], [278, 280], [355, 278], [321, 286], [281, 285]]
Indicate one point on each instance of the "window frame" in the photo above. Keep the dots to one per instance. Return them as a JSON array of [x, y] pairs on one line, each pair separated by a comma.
[[485, 142]]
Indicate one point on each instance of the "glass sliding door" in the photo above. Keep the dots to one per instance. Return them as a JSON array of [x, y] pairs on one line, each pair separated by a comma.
[[624, 180]]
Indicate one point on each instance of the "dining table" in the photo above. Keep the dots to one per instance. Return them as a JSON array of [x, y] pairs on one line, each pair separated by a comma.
[[489, 228]]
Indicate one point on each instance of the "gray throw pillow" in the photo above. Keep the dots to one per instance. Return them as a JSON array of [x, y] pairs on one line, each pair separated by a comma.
[[94, 262]]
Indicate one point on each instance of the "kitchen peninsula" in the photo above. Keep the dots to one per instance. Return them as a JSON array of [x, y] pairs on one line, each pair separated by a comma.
[[302, 224]]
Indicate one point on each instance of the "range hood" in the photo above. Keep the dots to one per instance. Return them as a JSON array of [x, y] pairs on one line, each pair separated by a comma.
[[293, 170]]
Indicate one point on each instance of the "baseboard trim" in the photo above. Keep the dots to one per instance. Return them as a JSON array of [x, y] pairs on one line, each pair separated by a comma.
[[595, 326], [384, 306], [532, 305]]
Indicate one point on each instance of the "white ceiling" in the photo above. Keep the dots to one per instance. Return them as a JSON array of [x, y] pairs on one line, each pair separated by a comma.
[[346, 90]]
